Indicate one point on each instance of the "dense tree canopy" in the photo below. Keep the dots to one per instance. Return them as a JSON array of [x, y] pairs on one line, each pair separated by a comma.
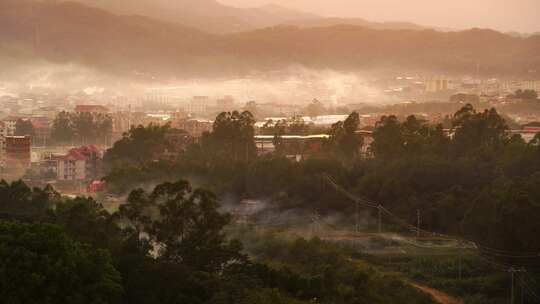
[[344, 139], [525, 94], [81, 128], [472, 179], [188, 228], [449, 174], [168, 246], [24, 127], [138, 145], [231, 138], [41, 264]]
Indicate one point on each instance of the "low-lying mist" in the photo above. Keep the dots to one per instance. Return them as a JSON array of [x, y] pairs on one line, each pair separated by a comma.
[[294, 85]]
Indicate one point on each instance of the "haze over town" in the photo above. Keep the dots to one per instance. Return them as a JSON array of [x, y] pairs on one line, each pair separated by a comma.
[[269, 151]]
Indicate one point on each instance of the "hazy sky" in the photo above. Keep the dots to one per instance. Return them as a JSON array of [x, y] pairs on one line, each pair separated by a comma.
[[503, 15]]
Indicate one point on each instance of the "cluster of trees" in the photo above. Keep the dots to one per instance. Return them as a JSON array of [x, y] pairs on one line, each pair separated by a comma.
[[525, 94], [24, 127], [81, 128], [138, 145], [477, 181], [231, 140], [295, 125], [343, 138], [473, 179], [327, 272], [231, 137], [166, 245]]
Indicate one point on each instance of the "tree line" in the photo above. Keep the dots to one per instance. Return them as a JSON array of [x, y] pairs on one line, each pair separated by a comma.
[[473, 179], [81, 128], [166, 245]]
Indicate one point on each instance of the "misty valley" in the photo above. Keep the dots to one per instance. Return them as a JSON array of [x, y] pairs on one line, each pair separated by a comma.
[[269, 151]]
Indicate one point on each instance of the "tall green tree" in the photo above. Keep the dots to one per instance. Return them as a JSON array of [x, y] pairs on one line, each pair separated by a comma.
[[343, 136], [478, 130], [315, 108], [184, 224], [82, 128], [232, 137], [62, 128], [17, 200], [139, 145], [39, 263], [388, 138]]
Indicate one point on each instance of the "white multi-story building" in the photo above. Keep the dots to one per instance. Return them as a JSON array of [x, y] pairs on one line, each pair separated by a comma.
[[71, 168], [79, 164], [10, 125]]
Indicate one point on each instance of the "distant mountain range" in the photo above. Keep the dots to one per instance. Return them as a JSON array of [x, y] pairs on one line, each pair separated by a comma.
[[214, 17], [71, 32], [206, 15]]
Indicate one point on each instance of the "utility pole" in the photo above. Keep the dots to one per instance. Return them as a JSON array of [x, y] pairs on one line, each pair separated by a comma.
[[522, 289], [418, 223], [357, 216], [379, 208], [459, 265], [512, 272]]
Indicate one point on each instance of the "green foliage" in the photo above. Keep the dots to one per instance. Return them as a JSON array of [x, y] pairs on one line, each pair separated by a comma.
[[472, 180], [86, 221], [525, 94], [186, 226], [39, 263], [393, 139], [325, 273], [231, 138], [475, 178], [62, 130], [138, 145], [315, 108], [479, 282], [474, 131], [24, 127], [17, 200], [268, 296], [343, 137], [81, 128]]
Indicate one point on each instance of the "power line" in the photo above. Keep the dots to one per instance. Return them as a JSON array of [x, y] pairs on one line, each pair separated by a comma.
[[417, 229]]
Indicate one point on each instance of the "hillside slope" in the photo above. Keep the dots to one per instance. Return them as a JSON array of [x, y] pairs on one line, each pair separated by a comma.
[[69, 32], [206, 15]]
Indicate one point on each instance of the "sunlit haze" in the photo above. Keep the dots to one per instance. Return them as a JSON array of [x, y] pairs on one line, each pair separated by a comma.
[[270, 151]]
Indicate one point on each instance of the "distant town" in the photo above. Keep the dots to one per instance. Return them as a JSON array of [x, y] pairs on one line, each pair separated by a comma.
[[47, 137]]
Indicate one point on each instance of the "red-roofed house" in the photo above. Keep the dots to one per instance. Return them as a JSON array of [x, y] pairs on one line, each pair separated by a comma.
[[81, 163], [96, 186]]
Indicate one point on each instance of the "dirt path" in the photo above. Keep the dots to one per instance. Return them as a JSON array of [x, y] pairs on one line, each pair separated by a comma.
[[438, 296]]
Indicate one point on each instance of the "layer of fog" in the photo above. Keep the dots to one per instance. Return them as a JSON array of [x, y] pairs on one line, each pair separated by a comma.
[[295, 85]]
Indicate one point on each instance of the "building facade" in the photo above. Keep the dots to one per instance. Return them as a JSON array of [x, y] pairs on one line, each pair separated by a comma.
[[79, 164], [18, 152]]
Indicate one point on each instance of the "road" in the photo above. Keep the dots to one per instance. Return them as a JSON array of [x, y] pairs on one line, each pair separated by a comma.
[[438, 296]]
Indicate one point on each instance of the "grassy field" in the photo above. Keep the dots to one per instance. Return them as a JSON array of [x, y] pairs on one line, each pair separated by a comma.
[[439, 263]]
